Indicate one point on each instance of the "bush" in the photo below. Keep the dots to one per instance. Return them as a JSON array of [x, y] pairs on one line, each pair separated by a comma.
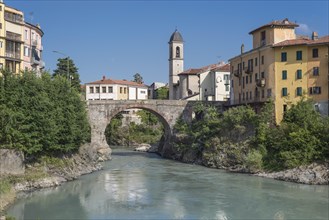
[[254, 161]]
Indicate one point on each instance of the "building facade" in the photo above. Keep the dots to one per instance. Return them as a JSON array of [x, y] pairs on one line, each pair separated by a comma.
[[20, 42], [215, 84], [282, 67], [152, 90], [176, 63], [108, 89]]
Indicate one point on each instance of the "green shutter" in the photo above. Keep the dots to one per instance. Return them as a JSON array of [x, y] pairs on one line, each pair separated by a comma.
[[284, 74], [299, 74]]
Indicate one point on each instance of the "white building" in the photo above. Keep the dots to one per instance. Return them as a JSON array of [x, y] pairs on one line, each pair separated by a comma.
[[109, 89], [215, 84]]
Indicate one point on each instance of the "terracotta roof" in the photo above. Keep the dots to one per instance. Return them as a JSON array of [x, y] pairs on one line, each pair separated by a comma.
[[284, 23], [224, 68], [120, 82], [304, 41], [190, 72], [216, 66]]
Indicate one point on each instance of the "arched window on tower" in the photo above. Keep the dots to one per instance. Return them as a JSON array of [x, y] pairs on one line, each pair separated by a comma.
[[177, 52], [171, 55]]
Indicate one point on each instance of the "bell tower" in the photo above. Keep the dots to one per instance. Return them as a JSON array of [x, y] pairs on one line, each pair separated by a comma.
[[176, 63]]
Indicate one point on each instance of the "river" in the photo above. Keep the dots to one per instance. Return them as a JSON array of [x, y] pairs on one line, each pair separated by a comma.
[[144, 186]]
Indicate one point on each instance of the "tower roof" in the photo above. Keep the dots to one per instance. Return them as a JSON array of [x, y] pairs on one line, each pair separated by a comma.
[[176, 36]]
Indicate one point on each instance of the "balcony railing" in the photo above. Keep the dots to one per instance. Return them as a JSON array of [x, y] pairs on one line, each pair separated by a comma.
[[237, 73], [35, 61], [248, 69], [13, 55], [13, 36], [260, 82]]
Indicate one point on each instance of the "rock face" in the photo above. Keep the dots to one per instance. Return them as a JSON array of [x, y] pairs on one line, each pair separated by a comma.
[[11, 162], [143, 147], [316, 174], [95, 152]]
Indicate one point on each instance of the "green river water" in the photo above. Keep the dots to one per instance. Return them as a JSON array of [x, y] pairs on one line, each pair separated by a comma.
[[144, 186]]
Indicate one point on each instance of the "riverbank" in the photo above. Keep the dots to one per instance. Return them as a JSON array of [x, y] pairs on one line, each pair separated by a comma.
[[47, 172]]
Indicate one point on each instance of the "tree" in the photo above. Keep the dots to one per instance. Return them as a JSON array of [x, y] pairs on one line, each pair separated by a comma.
[[162, 93], [62, 66], [138, 78]]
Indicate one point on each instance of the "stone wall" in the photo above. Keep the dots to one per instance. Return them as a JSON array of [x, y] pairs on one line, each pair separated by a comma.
[[11, 162]]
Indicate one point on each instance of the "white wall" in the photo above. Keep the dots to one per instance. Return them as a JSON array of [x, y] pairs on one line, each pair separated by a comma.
[[142, 93], [132, 93], [212, 86]]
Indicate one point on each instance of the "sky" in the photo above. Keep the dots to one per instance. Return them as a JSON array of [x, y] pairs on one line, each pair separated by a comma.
[[117, 39]]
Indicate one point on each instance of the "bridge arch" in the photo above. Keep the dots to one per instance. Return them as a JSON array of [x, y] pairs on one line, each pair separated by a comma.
[[100, 113]]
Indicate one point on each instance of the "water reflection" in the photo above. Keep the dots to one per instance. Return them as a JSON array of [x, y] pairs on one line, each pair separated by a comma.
[[143, 186]]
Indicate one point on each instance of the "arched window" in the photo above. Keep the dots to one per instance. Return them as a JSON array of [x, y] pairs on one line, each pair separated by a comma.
[[178, 52], [171, 55]]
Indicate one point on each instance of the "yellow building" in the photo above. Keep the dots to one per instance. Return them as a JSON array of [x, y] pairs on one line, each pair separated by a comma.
[[283, 67], [20, 42]]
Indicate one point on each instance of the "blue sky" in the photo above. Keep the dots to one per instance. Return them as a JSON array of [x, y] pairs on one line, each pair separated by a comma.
[[120, 38]]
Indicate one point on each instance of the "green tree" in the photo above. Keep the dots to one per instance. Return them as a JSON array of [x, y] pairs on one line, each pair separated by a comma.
[[138, 78], [162, 93], [67, 69]]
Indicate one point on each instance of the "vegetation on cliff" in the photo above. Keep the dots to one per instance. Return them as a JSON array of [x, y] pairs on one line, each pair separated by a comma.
[[41, 116], [243, 140]]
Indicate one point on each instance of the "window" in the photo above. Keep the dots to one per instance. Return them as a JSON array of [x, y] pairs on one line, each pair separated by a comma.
[[315, 90], [239, 81], [299, 91], [243, 82], [247, 95], [256, 76], [103, 89], [299, 55], [285, 108], [121, 90], [269, 93], [262, 38], [262, 60], [177, 52], [239, 97], [315, 71], [299, 74], [263, 75], [242, 96], [284, 74], [97, 89], [143, 92], [250, 95], [284, 91], [232, 83], [91, 89], [283, 56], [243, 65], [315, 53], [256, 61], [26, 51], [247, 79], [1, 44], [250, 79], [227, 88], [110, 89], [26, 35], [0, 25], [263, 93]]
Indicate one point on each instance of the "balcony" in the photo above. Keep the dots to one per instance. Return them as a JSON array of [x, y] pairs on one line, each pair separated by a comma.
[[237, 73], [14, 55], [13, 36], [35, 61], [248, 70], [34, 43], [16, 18], [226, 82], [260, 82]]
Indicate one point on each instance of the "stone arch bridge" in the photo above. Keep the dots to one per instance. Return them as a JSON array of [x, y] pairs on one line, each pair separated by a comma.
[[100, 113]]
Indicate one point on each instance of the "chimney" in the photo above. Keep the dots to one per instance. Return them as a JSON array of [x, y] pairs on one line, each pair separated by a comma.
[[103, 78], [315, 35], [242, 48]]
